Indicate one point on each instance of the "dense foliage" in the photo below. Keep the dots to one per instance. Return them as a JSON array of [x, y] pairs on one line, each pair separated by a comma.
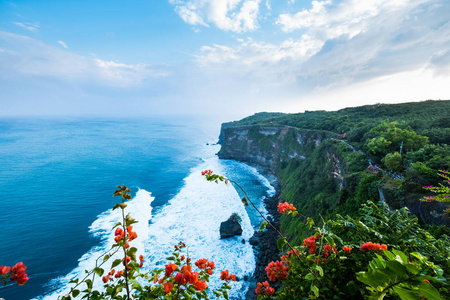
[[380, 253]]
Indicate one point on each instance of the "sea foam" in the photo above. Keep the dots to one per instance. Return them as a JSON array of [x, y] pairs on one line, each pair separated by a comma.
[[193, 216]]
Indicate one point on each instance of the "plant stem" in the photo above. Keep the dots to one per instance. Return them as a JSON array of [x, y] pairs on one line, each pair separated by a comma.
[[124, 249], [268, 222]]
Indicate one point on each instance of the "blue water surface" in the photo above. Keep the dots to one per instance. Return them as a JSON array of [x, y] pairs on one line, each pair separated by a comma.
[[57, 176]]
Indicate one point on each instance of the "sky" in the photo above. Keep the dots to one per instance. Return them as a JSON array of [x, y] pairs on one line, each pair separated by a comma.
[[219, 57]]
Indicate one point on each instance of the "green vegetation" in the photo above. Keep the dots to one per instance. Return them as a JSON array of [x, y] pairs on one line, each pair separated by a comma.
[[380, 253], [410, 139]]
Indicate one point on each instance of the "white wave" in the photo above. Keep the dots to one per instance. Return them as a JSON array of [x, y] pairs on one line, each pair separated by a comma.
[[194, 216], [140, 209]]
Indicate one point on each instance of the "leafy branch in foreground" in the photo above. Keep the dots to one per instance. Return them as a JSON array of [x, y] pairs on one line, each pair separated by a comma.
[[124, 278], [341, 261]]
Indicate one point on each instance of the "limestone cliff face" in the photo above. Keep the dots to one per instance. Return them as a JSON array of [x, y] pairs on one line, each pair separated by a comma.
[[270, 146]]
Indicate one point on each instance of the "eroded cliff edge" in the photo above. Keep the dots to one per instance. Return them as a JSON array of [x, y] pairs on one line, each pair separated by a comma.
[[319, 172]]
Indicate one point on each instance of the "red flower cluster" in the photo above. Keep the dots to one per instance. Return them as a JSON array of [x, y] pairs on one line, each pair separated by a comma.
[[18, 273], [285, 207], [4, 269], [187, 276], [225, 276], [310, 243], [180, 245], [285, 258], [131, 234], [170, 268], [110, 274], [269, 290], [277, 270], [141, 259], [327, 249], [119, 234], [204, 264], [347, 249], [168, 286], [207, 172], [118, 274], [371, 246]]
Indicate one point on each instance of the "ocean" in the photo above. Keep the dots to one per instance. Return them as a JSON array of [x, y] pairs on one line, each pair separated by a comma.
[[58, 176]]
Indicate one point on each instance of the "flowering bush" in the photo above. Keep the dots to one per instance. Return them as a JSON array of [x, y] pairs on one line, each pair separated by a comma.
[[442, 191], [17, 273], [342, 261], [124, 279]]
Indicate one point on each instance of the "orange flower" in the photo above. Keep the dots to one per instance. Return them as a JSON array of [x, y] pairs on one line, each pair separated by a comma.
[[224, 275], [170, 268], [371, 246], [118, 274], [4, 270], [18, 273], [200, 285], [347, 249], [168, 286], [105, 278], [201, 263], [270, 291], [285, 207]]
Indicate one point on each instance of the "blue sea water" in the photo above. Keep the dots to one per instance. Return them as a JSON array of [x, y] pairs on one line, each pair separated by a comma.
[[57, 176]]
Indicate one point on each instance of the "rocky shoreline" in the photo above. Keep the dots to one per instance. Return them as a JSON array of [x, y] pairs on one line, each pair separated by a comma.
[[265, 246]]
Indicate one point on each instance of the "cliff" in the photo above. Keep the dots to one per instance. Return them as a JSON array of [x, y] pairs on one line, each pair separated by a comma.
[[266, 146], [319, 173]]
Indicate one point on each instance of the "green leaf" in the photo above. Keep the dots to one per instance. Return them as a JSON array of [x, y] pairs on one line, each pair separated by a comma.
[[118, 223], [315, 290], [309, 277], [116, 263], [389, 255], [225, 295], [280, 243], [99, 271], [429, 291], [401, 255], [310, 222], [294, 213], [263, 226], [319, 268], [405, 293], [75, 293], [418, 256], [106, 257], [116, 205], [244, 200], [88, 283], [132, 253]]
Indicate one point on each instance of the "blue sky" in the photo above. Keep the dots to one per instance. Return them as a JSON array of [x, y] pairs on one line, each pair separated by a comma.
[[225, 57]]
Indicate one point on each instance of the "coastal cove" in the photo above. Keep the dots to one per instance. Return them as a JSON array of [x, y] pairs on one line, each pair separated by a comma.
[[70, 167]]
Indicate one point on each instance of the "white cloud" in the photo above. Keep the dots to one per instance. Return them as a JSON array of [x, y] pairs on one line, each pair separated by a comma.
[[229, 15], [27, 26], [63, 44], [343, 43], [305, 18], [23, 56]]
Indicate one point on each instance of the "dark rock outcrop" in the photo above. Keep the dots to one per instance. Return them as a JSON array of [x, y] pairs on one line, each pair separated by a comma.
[[230, 227], [265, 245]]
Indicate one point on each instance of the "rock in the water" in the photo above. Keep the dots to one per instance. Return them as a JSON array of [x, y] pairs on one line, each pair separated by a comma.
[[230, 227]]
